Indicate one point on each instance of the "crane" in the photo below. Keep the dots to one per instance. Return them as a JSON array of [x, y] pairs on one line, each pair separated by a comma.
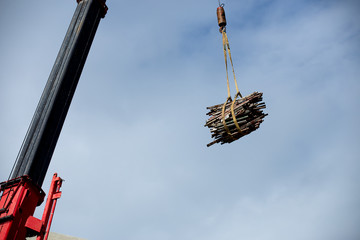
[[22, 193]]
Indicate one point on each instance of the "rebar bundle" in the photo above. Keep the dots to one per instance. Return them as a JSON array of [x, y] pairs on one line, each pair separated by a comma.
[[235, 119]]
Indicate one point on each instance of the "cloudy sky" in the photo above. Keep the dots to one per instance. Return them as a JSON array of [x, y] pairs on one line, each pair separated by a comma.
[[133, 148]]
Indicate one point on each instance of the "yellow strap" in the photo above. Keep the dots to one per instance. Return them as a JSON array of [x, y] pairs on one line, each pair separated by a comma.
[[226, 46], [223, 118], [225, 57], [233, 113]]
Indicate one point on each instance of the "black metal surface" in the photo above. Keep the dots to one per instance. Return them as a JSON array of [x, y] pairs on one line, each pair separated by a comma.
[[6, 218], [40, 141]]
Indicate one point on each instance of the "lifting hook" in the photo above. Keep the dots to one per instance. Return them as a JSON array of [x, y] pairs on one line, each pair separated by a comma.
[[220, 12]]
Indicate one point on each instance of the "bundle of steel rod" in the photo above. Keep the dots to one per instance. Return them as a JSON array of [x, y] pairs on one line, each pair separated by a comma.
[[235, 119]]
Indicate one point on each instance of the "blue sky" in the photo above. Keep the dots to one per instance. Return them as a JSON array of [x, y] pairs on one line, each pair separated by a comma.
[[133, 147]]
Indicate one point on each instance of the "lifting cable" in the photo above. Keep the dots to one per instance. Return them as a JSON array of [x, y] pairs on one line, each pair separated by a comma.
[[226, 47]]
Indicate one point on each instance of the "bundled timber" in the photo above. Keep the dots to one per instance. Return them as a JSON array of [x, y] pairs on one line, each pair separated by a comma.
[[235, 119]]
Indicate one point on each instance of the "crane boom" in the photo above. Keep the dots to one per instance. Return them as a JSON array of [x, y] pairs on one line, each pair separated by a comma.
[[44, 130], [22, 193]]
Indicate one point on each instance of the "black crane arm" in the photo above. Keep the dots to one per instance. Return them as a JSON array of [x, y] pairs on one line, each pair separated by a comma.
[[40, 141]]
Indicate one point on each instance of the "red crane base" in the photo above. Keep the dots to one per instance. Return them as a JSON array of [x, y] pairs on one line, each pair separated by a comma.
[[18, 201]]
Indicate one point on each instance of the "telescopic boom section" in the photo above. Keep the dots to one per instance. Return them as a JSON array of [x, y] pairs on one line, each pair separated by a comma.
[[20, 195], [40, 141]]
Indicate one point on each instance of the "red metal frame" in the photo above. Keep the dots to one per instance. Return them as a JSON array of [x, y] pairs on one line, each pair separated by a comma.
[[53, 196], [18, 201]]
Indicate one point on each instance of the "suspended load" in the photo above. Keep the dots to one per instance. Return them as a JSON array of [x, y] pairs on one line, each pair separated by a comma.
[[239, 116]]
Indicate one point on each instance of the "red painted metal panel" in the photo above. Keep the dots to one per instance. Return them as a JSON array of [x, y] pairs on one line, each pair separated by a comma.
[[18, 200], [34, 223], [56, 195]]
